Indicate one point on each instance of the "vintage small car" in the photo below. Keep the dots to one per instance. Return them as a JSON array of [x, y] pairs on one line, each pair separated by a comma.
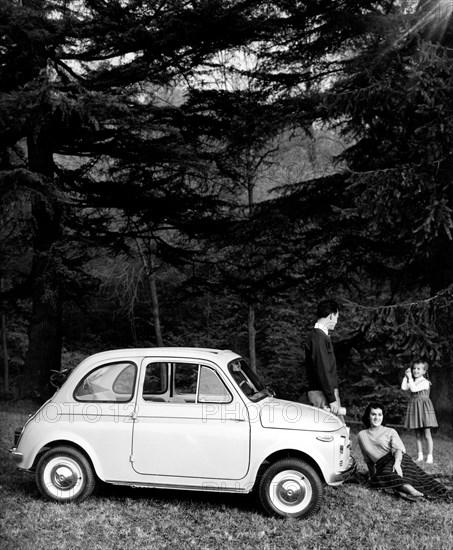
[[182, 418]]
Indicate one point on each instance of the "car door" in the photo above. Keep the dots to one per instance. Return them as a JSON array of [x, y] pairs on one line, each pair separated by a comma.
[[188, 423]]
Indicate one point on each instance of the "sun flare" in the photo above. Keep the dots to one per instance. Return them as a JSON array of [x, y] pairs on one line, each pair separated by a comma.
[[433, 19]]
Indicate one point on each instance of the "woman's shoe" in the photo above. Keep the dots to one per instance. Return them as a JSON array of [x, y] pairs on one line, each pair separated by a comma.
[[429, 459]]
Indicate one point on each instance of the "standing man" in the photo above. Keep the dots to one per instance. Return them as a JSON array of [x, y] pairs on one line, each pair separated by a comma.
[[320, 362]]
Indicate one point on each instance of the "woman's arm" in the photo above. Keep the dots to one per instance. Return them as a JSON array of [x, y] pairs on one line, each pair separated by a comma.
[[367, 458], [371, 468], [398, 456]]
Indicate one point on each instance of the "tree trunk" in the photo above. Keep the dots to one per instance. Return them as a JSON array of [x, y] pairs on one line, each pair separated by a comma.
[[442, 394], [440, 274], [251, 307], [4, 347], [155, 304], [252, 336], [44, 332], [148, 263]]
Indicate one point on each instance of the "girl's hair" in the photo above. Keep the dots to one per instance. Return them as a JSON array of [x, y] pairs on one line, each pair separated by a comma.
[[423, 363], [366, 414]]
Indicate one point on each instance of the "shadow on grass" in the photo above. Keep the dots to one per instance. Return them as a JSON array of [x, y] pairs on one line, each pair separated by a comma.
[[248, 502], [23, 486]]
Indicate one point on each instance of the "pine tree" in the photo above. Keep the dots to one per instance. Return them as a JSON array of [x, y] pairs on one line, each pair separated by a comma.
[[86, 138], [79, 112]]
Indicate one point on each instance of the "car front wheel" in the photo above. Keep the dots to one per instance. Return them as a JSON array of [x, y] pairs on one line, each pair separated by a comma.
[[290, 488], [64, 474]]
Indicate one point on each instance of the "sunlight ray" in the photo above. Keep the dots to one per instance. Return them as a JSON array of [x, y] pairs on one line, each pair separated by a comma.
[[436, 18]]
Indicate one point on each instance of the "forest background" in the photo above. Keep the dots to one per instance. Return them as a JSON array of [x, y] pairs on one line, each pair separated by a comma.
[[202, 172]]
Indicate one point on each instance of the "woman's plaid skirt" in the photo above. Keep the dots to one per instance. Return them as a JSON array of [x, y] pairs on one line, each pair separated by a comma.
[[386, 478]]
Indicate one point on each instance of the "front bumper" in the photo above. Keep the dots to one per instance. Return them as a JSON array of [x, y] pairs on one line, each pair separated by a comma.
[[341, 477]]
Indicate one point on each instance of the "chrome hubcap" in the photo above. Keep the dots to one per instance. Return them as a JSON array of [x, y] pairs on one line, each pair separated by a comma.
[[291, 492], [63, 477]]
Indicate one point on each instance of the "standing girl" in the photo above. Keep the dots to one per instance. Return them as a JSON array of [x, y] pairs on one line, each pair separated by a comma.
[[420, 415]]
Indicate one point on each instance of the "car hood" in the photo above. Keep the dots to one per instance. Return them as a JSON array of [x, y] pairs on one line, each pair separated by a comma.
[[289, 415]]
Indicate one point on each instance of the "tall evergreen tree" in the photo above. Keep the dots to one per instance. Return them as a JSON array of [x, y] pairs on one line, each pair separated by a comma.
[[79, 109], [82, 126]]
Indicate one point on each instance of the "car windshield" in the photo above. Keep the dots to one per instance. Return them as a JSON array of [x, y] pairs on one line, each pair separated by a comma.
[[248, 381]]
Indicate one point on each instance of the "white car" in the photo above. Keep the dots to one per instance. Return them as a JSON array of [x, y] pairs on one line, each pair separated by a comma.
[[182, 418]]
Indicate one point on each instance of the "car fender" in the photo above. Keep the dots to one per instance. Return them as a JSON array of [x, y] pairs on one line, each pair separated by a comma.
[[315, 447], [60, 437]]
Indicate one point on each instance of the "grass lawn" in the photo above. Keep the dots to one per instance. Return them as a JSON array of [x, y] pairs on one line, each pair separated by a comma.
[[352, 516]]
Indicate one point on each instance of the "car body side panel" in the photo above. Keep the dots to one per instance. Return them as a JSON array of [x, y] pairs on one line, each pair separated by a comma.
[[103, 431], [204, 446]]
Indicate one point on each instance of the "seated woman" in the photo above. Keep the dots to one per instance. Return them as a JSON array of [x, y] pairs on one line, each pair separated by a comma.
[[388, 464]]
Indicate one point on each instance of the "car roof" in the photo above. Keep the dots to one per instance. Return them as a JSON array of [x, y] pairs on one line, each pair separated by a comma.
[[193, 354], [175, 352]]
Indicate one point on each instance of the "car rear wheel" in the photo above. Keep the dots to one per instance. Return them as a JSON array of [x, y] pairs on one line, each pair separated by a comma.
[[64, 474], [291, 488]]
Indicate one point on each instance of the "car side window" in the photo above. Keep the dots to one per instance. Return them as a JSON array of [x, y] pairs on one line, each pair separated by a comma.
[[186, 381], [211, 388], [113, 382], [155, 384], [183, 383]]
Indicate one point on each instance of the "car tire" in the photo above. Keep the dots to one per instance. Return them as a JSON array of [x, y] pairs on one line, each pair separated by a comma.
[[291, 488], [64, 474]]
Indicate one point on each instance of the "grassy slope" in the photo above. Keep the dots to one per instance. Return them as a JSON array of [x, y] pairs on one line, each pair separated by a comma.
[[121, 518]]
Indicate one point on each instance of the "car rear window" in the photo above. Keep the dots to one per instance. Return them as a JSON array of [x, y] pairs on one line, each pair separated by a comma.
[[112, 382]]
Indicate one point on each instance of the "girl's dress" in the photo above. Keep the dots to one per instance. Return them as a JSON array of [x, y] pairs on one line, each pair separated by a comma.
[[378, 447], [420, 409]]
